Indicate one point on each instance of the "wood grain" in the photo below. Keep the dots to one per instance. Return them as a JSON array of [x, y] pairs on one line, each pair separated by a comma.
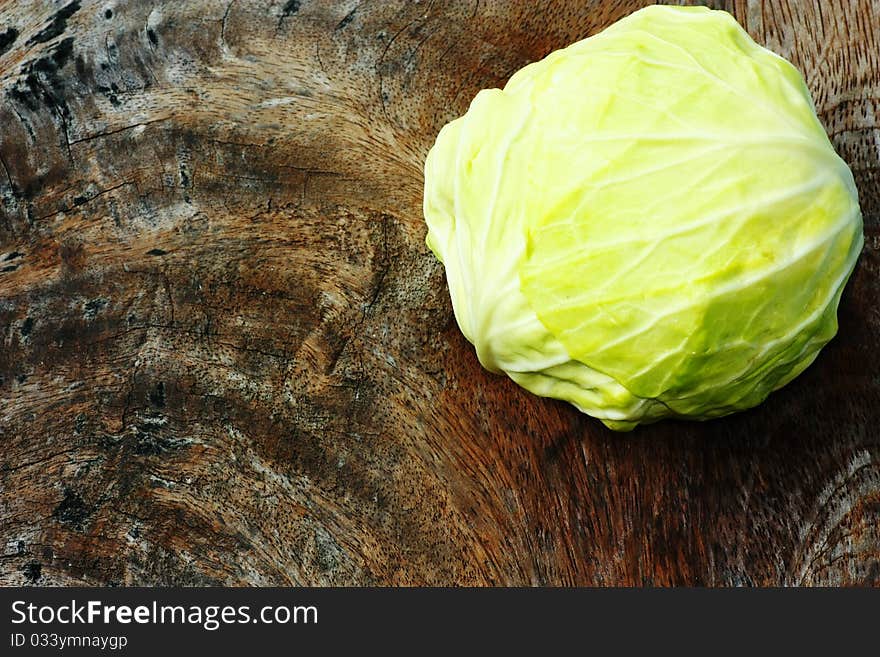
[[228, 357]]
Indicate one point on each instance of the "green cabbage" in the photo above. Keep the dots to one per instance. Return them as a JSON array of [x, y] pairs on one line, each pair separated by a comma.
[[648, 223]]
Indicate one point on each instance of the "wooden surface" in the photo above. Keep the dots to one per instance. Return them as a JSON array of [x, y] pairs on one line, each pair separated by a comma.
[[228, 357]]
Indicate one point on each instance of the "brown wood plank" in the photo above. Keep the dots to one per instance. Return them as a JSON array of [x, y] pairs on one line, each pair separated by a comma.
[[227, 356]]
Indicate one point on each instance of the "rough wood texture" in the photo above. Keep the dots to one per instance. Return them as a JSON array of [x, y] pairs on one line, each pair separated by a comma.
[[228, 358]]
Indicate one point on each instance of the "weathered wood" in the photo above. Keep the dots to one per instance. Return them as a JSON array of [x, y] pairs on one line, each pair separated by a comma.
[[228, 357]]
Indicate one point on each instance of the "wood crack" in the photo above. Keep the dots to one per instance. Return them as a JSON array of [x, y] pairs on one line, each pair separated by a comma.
[[107, 133]]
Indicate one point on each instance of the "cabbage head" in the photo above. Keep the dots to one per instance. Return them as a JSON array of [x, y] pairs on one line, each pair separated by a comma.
[[648, 223]]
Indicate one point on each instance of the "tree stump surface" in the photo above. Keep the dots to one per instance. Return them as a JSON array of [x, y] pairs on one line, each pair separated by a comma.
[[229, 358]]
